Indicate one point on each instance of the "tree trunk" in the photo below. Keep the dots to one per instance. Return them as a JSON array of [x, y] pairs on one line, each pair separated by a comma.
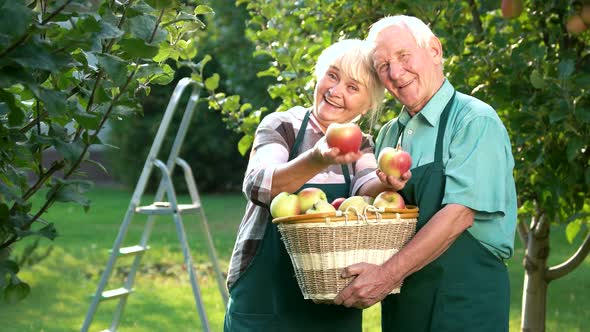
[[534, 295]]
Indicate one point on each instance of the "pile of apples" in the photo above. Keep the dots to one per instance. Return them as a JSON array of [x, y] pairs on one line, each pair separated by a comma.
[[313, 200], [347, 137]]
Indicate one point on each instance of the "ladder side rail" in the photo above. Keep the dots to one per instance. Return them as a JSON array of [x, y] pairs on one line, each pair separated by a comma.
[[184, 244], [157, 144], [135, 200], [107, 271], [183, 128], [188, 174]]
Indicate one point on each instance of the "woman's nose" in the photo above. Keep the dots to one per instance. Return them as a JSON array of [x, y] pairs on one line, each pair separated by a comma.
[[335, 90]]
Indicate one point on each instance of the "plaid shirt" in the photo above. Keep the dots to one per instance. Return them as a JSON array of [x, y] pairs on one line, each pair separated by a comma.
[[274, 138]]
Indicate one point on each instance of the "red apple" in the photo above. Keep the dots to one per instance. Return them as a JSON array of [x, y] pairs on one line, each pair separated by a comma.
[[321, 206], [394, 162], [389, 199], [309, 196], [585, 14], [575, 25], [336, 203], [511, 8], [285, 205], [345, 136]]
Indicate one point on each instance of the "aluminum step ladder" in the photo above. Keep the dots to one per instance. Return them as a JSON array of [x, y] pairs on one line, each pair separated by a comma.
[[159, 208]]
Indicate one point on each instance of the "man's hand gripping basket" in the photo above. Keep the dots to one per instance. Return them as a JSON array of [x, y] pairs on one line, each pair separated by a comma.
[[321, 245]]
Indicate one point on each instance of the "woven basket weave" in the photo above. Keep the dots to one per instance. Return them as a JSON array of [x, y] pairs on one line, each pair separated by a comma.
[[321, 245]]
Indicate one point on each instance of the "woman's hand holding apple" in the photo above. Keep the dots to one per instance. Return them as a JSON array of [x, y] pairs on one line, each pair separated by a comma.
[[326, 155]]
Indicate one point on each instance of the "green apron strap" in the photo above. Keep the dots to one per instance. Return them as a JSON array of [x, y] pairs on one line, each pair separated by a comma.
[[442, 125], [299, 140], [300, 135]]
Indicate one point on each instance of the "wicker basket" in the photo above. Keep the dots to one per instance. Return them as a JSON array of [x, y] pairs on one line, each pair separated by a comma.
[[321, 245]]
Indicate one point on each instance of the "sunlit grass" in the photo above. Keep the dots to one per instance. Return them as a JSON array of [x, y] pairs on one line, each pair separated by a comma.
[[163, 301]]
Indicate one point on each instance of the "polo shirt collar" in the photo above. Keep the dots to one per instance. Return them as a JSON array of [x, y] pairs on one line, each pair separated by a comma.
[[433, 109]]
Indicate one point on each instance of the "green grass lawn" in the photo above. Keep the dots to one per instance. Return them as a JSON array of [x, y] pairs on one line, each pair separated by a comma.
[[63, 282]]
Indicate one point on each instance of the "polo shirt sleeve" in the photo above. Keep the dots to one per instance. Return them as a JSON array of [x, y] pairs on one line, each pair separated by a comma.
[[480, 159]]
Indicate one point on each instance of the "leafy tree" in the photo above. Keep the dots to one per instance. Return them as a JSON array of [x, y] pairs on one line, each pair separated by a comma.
[[531, 69], [66, 67]]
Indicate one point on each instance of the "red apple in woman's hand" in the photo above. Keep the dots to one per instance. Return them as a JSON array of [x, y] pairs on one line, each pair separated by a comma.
[[346, 137]]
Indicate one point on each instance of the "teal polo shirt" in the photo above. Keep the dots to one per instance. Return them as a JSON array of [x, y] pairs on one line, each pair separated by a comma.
[[478, 162]]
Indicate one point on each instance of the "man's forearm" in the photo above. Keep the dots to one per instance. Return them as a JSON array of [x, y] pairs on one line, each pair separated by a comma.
[[431, 241]]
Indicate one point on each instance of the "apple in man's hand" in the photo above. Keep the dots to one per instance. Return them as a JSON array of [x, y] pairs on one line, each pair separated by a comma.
[[336, 203], [347, 137], [357, 203], [321, 206], [309, 196], [285, 205], [389, 199], [394, 162]]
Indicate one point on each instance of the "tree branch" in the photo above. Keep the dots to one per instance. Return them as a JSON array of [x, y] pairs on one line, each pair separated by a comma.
[[523, 232], [558, 271], [476, 20]]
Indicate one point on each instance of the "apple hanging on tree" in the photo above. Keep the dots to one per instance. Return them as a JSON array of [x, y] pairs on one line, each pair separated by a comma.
[[347, 137], [394, 162]]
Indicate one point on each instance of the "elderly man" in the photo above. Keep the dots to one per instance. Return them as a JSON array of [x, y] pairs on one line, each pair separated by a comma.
[[454, 277]]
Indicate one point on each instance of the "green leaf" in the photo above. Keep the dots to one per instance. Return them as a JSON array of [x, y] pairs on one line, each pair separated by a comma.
[[212, 82], [572, 229], [109, 31], [33, 56], [16, 291], [271, 71], [142, 26], [114, 67], [537, 79], [89, 121], [70, 151], [69, 193], [574, 147], [54, 102], [165, 77], [48, 231], [566, 68], [15, 17], [137, 48], [202, 10], [245, 143]]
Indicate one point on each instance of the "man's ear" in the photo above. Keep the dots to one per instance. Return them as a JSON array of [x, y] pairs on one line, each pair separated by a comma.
[[435, 49]]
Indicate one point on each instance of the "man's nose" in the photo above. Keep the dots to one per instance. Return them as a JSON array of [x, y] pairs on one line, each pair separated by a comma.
[[396, 70]]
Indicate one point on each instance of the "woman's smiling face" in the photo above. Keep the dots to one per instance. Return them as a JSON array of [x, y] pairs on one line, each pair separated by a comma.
[[339, 98]]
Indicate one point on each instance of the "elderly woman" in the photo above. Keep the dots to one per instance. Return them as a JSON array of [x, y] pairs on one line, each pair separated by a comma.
[[289, 153]]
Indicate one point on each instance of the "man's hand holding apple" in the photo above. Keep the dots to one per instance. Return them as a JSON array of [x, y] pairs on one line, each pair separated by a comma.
[[394, 167], [394, 182]]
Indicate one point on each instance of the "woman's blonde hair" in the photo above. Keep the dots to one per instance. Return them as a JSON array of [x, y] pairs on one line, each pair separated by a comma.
[[352, 57]]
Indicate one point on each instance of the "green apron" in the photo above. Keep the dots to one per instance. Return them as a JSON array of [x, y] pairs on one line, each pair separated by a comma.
[[267, 298], [466, 288]]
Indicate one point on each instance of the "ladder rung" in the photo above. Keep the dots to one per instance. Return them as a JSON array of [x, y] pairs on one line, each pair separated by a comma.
[[115, 293], [164, 208], [133, 250]]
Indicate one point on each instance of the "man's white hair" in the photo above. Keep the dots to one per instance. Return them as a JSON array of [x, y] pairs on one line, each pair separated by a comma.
[[416, 26]]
